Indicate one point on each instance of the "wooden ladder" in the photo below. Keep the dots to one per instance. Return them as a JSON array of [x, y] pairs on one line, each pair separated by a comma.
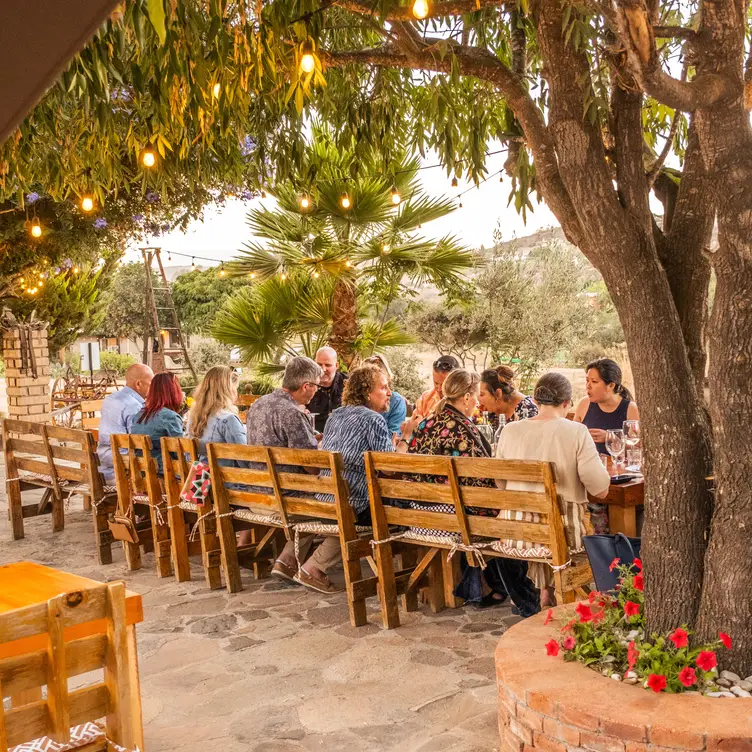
[[177, 350]]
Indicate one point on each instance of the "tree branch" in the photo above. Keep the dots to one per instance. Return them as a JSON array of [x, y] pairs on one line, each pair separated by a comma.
[[638, 35], [435, 10], [673, 32]]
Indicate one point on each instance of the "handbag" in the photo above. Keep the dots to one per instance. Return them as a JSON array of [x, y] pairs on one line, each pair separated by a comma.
[[123, 528], [602, 550], [197, 486]]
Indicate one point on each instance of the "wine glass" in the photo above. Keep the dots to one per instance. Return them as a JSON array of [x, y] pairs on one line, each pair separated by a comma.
[[631, 432], [615, 445]]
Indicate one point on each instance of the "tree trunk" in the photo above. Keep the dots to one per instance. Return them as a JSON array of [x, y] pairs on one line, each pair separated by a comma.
[[344, 321]]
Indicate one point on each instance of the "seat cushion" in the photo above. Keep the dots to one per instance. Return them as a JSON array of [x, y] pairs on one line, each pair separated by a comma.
[[30, 477], [80, 737]]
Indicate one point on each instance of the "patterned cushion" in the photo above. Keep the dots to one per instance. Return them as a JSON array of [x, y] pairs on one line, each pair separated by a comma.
[[250, 516], [37, 477], [326, 528], [80, 737], [144, 498]]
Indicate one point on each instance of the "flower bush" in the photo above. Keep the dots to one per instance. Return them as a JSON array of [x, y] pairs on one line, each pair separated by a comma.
[[607, 633]]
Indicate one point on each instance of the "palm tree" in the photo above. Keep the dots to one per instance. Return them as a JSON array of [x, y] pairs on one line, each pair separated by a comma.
[[340, 247]]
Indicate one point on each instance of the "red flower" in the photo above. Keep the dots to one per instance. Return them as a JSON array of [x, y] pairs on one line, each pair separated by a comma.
[[549, 615], [687, 676], [725, 639], [679, 638], [584, 612], [592, 595], [568, 626], [599, 616], [552, 648], [637, 563], [657, 682], [706, 660], [631, 609], [638, 582], [613, 565], [568, 643], [632, 655]]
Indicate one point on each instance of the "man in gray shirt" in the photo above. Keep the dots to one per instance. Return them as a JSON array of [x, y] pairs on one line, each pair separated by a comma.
[[279, 419]]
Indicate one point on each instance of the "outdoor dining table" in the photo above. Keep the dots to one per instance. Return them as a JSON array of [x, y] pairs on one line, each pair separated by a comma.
[[623, 500], [26, 584]]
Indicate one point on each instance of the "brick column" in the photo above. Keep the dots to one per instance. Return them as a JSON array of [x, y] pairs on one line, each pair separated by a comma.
[[28, 397]]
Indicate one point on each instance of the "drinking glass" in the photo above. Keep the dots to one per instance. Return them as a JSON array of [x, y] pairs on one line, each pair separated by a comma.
[[312, 417], [634, 459], [615, 445], [631, 433]]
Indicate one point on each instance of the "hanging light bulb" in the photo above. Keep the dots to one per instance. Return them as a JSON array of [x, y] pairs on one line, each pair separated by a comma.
[[283, 277], [396, 198], [87, 203], [460, 206], [386, 249], [216, 89], [75, 270], [348, 263], [263, 193], [222, 270], [420, 9], [344, 201], [454, 182], [305, 202], [149, 158], [169, 256], [307, 57], [36, 229], [193, 263], [252, 275], [40, 283], [21, 280], [316, 275], [33, 290]]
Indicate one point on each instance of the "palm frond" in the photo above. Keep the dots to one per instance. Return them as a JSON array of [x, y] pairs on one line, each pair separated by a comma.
[[420, 209], [376, 337]]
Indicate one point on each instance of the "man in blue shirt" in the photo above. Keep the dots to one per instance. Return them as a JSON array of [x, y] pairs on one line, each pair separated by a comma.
[[119, 411]]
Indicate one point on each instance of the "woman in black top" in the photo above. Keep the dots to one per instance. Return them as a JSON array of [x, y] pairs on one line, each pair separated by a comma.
[[608, 403]]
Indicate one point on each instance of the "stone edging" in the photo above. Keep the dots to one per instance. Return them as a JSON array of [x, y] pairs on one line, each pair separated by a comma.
[[550, 705]]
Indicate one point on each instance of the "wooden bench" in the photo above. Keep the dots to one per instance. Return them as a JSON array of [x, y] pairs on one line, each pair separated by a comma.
[[61, 462], [178, 454], [285, 508], [139, 492], [479, 536], [66, 716]]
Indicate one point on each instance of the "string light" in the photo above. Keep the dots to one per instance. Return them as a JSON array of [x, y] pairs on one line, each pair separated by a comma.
[[386, 249], [316, 275], [169, 256], [283, 277], [149, 158], [348, 263], [40, 283], [193, 263], [252, 275], [420, 9], [305, 202], [21, 280], [460, 206], [76, 270], [263, 193], [33, 290], [307, 59], [216, 89], [222, 270], [344, 201], [87, 203], [454, 183], [396, 198], [36, 229]]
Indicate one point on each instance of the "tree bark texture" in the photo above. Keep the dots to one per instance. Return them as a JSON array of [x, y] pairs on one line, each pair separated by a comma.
[[344, 321]]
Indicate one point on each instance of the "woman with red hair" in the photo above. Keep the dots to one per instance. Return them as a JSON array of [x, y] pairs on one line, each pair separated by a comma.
[[159, 416]]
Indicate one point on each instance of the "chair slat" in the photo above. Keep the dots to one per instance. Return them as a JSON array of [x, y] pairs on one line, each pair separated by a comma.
[[25, 446], [32, 466], [70, 454], [303, 457], [287, 481]]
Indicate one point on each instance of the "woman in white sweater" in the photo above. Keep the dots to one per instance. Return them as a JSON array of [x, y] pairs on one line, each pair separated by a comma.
[[550, 437]]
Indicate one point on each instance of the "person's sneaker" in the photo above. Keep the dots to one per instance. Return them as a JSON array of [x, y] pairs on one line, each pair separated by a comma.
[[321, 585], [283, 571]]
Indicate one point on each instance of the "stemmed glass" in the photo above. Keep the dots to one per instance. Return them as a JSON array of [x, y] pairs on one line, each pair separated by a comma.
[[632, 439], [615, 446]]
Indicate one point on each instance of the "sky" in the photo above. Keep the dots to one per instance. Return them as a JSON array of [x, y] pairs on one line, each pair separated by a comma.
[[223, 232]]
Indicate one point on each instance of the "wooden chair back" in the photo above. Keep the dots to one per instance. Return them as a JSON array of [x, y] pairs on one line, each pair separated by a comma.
[[137, 480], [91, 413], [246, 400], [114, 699]]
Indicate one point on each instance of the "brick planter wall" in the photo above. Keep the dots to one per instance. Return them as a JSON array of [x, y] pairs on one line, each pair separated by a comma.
[[550, 705], [28, 397]]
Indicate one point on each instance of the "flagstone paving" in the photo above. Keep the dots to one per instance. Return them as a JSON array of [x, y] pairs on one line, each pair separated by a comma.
[[277, 668]]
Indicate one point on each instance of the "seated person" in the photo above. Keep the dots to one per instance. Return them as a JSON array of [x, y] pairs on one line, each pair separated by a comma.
[[397, 411], [550, 437], [354, 429], [450, 431], [499, 396], [160, 415], [329, 395], [119, 411], [278, 420], [213, 418], [428, 400]]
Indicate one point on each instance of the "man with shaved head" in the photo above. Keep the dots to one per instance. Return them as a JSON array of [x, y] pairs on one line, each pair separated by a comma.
[[329, 395], [119, 410]]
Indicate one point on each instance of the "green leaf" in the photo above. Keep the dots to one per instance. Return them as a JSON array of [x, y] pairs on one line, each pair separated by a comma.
[[156, 12]]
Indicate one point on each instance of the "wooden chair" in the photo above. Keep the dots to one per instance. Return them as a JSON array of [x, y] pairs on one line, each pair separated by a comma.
[[139, 491], [243, 402], [479, 536], [178, 454], [58, 461], [91, 414], [67, 716], [284, 508]]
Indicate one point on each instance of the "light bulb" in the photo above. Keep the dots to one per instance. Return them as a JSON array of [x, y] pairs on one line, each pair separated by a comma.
[[345, 201], [263, 194], [283, 277], [396, 198], [454, 183], [316, 275], [386, 248], [87, 203], [193, 263], [252, 275], [216, 89], [308, 59], [460, 206], [305, 202], [21, 280], [76, 270], [420, 9], [149, 158], [36, 230], [222, 271], [40, 283], [33, 290], [348, 263]]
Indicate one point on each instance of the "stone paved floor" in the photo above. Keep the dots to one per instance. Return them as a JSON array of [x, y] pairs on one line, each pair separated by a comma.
[[277, 668]]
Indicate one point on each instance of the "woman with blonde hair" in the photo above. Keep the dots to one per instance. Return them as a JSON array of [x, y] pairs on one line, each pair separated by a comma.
[[213, 419]]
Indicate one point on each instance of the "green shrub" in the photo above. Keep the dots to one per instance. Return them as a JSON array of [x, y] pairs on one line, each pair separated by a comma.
[[207, 354], [404, 365], [113, 361]]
